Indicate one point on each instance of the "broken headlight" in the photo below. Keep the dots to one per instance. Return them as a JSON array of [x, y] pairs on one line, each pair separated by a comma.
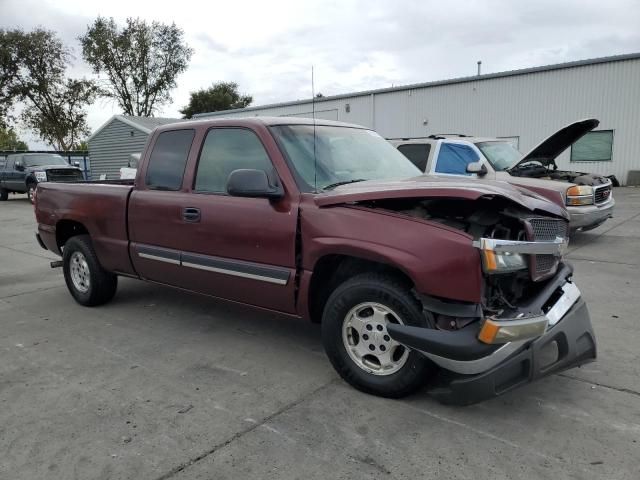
[[502, 262]]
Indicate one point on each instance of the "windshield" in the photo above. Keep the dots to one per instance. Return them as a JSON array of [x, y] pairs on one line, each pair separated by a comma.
[[40, 160], [342, 155], [501, 155]]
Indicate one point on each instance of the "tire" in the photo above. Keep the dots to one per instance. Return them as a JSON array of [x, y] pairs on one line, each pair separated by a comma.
[[31, 191], [89, 284], [379, 293], [4, 194]]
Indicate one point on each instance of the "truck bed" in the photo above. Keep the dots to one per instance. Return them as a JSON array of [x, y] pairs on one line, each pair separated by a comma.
[[101, 207]]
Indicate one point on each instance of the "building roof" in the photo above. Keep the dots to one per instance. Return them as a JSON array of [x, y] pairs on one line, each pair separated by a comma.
[[143, 124], [474, 78]]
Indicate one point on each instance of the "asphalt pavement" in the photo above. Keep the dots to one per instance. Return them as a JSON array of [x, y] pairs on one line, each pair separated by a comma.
[[163, 384]]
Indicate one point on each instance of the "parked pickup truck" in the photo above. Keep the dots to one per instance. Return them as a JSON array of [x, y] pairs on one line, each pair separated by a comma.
[[588, 197], [22, 173], [413, 278]]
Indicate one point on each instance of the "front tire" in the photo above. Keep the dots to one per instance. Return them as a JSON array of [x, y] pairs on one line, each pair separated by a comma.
[[357, 343], [31, 192], [89, 284], [4, 194]]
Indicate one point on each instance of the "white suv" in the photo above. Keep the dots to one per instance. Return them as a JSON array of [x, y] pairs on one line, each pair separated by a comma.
[[588, 197]]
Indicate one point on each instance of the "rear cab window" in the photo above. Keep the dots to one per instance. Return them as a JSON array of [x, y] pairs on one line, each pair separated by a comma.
[[418, 153], [225, 150], [453, 158], [169, 159]]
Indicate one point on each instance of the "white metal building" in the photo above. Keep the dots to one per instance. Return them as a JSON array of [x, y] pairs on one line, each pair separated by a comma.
[[527, 104]]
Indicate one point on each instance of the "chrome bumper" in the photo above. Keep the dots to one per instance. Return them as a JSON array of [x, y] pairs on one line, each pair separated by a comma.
[[590, 216]]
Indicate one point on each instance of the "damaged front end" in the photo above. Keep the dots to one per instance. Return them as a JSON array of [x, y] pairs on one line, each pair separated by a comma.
[[531, 321]]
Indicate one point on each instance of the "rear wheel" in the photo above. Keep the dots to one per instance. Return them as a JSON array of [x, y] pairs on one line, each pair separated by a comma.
[[357, 342], [87, 281], [4, 194]]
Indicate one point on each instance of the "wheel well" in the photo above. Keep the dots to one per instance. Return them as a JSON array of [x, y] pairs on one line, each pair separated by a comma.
[[65, 229], [332, 270]]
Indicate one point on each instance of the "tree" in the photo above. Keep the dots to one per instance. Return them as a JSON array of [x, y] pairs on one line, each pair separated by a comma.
[[8, 73], [54, 105], [141, 62], [319, 95], [34, 65], [9, 140], [220, 96], [82, 146]]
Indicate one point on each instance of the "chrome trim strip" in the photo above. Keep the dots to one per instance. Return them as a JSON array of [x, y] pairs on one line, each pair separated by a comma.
[[472, 367], [555, 247], [564, 303], [277, 281], [148, 256]]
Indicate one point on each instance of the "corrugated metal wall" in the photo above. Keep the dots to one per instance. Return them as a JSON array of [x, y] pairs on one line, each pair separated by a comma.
[[530, 106], [110, 148]]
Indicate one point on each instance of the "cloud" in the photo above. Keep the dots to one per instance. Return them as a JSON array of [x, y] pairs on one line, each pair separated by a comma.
[[269, 47]]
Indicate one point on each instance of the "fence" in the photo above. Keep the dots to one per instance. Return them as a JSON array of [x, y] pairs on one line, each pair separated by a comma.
[[80, 156]]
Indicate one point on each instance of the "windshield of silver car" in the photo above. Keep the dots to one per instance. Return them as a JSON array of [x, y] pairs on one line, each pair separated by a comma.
[[501, 155]]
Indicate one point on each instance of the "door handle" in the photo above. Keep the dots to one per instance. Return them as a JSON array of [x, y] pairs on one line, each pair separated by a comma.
[[191, 214]]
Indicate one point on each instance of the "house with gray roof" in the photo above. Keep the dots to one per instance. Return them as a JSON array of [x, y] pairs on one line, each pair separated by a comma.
[[112, 144]]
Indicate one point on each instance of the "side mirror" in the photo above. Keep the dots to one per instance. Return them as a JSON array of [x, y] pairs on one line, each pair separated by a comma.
[[76, 164], [20, 167], [252, 183], [478, 168]]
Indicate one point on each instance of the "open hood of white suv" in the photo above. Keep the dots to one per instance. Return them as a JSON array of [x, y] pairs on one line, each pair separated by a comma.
[[550, 148]]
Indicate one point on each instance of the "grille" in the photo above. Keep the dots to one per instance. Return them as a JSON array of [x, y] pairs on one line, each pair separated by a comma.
[[545, 230], [602, 194], [64, 175]]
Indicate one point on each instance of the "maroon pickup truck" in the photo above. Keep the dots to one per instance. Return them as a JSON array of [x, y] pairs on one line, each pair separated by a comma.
[[415, 279]]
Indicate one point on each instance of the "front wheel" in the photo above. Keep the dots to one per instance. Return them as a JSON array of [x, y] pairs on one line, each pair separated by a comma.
[[31, 192], [356, 340], [89, 284], [4, 194]]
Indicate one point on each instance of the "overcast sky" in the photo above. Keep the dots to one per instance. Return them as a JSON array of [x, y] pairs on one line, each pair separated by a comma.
[[268, 47]]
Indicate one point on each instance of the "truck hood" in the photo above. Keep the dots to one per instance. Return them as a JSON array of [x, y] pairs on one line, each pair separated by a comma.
[[549, 149], [426, 186], [41, 168]]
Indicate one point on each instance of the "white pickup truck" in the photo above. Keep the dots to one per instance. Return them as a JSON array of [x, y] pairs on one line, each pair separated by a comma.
[[588, 196]]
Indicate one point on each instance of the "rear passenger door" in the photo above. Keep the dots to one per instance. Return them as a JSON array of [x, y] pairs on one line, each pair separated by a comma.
[[418, 153], [156, 224]]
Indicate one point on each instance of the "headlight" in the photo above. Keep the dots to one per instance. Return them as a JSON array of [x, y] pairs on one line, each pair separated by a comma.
[[41, 176], [580, 195], [502, 262]]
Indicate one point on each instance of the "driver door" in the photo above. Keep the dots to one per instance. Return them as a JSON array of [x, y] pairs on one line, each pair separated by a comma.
[[239, 248], [452, 159]]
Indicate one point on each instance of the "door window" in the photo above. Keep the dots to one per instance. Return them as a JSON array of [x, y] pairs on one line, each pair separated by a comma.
[[168, 160], [454, 158], [418, 153], [225, 150]]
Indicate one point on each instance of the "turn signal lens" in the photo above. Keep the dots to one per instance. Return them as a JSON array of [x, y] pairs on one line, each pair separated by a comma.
[[505, 331], [488, 331], [580, 195]]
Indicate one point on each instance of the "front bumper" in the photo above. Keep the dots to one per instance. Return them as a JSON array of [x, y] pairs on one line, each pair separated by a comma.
[[471, 371], [569, 343], [590, 216]]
